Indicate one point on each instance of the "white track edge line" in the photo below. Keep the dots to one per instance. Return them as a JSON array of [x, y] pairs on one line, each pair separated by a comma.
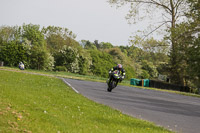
[[70, 85]]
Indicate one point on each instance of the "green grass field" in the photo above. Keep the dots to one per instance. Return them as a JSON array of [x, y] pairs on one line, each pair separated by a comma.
[[43, 104]]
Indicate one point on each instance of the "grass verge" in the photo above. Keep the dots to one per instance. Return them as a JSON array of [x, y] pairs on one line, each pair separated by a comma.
[[93, 78], [34, 103]]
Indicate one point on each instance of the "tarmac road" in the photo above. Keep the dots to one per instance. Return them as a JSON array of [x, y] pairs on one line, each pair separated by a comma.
[[173, 111]]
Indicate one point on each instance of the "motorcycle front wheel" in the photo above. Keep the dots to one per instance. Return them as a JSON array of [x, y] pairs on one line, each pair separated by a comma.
[[111, 86], [109, 90]]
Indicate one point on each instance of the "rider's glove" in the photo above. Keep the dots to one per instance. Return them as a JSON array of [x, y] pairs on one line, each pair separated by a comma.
[[110, 72], [122, 77]]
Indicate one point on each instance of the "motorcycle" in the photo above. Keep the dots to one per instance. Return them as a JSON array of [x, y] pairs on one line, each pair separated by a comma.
[[114, 78]]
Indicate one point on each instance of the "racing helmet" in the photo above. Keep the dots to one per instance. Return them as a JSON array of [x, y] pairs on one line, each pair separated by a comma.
[[119, 66]]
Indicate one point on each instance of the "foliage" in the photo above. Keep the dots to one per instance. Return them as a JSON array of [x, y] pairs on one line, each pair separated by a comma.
[[89, 45], [101, 63], [68, 57], [150, 49], [11, 50], [194, 10], [12, 53], [194, 49], [33, 34], [57, 37], [174, 11], [106, 45], [146, 55], [186, 35], [117, 55], [55, 48], [194, 62], [85, 61], [130, 72], [145, 75], [25, 44], [149, 68], [7, 34]]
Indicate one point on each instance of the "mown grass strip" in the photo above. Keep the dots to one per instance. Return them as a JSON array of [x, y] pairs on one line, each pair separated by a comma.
[[34, 103]]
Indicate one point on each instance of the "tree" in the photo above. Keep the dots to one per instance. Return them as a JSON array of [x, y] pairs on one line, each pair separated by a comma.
[[186, 35], [55, 43], [57, 37], [101, 63], [194, 10], [63, 32], [85, 61], [98, 45], [117, 55], [40, 58], [6, 34], [89, 45], [152, 50], [173, 12], [149, 68], [68, 57], [13, 52], [194, 63], [120, 58], [190, 37], [33, 34], [106, 45]]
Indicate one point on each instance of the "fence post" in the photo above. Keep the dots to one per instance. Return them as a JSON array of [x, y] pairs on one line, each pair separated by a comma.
[[142, 83]]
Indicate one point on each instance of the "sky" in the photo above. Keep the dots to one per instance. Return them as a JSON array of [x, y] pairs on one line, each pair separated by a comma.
[[87, 19]]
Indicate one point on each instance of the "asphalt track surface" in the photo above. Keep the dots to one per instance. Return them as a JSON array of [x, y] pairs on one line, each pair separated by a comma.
[[173, 111]]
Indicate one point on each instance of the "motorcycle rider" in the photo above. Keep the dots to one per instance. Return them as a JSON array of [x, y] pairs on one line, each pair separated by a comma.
[[121, 70]]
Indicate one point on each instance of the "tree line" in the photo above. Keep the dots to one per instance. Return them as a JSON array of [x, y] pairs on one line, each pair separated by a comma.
[[55, 48], [181, 19]]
